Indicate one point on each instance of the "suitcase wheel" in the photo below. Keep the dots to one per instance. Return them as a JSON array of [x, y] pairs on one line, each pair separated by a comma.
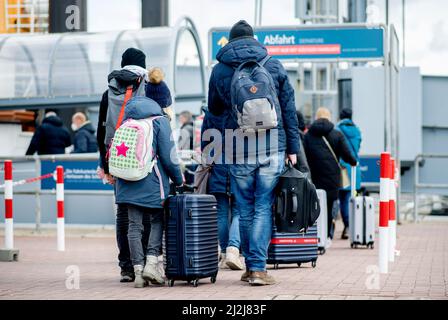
[[213, 279], [299, 264], [276, 266], [195, 282], [170, 283], [372, 246], [322, 251], [314, 264]]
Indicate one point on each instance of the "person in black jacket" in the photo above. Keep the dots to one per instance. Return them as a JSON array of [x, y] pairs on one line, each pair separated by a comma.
[[85, 139], [131, 58], [50, 138], [302, 162], [325, 171]]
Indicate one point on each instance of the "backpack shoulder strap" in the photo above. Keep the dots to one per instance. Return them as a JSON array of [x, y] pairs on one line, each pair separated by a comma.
[[127, 97], [265, 60]]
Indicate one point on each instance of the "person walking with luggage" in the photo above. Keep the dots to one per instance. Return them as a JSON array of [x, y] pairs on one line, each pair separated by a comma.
[[253, 183], [146, 197], [185, 141], [219, 186], [354, 138], [85, 140], [51, 137], [132, 75], [324, 146]]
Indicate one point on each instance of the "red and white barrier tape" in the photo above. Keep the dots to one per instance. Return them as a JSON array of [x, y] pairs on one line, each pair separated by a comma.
[[30, 180]]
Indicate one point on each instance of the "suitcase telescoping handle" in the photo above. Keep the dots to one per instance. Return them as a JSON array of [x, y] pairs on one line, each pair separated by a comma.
[[353, 182]]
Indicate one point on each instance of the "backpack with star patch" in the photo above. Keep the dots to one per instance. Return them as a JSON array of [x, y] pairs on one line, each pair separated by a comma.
[[131, 156]]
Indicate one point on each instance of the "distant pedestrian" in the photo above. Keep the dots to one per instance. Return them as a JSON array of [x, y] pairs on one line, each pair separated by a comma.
[[185, 141], [302, 162], [85, 139], [325, 170], [51, 137], [354, 138]]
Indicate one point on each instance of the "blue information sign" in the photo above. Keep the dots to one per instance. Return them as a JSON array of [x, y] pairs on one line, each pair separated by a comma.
[[78, 175], [370, 169], [356, 43]]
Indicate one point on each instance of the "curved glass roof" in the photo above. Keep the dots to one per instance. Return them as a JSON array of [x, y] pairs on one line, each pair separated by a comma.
[[77, 64]]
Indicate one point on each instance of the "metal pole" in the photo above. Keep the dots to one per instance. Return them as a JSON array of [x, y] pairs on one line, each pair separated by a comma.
[[37, 195], [416, 174], [404, 31]]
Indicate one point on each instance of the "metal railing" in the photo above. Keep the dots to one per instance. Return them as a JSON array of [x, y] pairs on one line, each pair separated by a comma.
[[418, 185]]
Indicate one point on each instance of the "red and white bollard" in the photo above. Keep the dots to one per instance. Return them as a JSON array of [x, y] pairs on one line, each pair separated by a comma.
[[384, 213], [9, 225], [60, 207], [392, 212]]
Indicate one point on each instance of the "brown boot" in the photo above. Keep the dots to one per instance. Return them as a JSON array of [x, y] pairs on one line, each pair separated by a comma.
[[245, 276], [258, 278]]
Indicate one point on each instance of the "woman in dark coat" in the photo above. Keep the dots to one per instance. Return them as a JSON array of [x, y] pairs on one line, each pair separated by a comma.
[[325, 171]]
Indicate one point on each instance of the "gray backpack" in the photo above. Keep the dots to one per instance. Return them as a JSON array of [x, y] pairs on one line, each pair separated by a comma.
[[118, 96], [254, 97]]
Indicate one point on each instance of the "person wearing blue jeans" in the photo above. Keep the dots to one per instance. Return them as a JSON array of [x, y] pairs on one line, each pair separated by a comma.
[[253, 186], [253, 182], [219, 186]]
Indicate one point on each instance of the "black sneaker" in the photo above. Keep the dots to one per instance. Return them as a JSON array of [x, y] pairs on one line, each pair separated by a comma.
[[127, 276]]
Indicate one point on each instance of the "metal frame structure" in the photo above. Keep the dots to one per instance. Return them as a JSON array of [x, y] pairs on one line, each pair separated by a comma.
[[184, 24], [418, 185]]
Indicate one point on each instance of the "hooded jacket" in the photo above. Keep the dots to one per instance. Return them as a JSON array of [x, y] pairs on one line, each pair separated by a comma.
[[118, 81], [219, 100], [85, 140], [50, 138], [325, 171], [151, 191], [354, 139]]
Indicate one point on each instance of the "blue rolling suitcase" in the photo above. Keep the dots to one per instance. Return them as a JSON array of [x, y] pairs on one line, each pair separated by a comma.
[[289, 248], [191, 238]]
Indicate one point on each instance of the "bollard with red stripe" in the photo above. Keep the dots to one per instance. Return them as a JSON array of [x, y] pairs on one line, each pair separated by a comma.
[[60, 208], [9, 225], [384, 213], [392, 212]]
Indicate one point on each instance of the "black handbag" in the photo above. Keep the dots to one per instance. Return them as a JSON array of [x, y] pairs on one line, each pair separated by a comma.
[[297, 205]]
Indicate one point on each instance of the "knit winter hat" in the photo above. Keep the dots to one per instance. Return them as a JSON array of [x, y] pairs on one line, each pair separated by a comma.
[[346, 113], [133, 57], [241, 29], [157, 90]]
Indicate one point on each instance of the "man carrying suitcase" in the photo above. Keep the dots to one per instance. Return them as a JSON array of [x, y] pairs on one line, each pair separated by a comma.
[[253, 183]]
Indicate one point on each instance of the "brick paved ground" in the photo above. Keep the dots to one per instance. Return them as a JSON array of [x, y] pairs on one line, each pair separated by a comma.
[[421, 272]]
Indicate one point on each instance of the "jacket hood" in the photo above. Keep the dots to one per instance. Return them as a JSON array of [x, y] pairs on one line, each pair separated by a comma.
[[142, 108], [349, 128], [240, 50], [88, 127], [321, 127], [53, 120]]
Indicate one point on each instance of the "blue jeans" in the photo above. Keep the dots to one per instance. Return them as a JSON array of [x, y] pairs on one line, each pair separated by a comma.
[[253, 187], [228, 223], [344, 200]]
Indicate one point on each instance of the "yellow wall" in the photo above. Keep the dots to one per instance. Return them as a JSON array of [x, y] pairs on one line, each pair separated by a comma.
[[2, 17]]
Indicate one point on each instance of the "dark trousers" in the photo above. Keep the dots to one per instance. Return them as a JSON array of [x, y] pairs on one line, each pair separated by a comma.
[[332, 196], [122, 226]]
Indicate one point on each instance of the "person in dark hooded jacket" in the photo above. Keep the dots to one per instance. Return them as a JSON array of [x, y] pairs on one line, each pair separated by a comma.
[[133, 68], [253, 184], [50, 138], [85, 140], [325, 171]]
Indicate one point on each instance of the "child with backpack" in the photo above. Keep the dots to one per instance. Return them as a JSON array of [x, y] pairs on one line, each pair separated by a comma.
[[141, 160]]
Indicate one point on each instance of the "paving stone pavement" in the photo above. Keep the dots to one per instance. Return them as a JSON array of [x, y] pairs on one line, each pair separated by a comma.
[[420, 272]]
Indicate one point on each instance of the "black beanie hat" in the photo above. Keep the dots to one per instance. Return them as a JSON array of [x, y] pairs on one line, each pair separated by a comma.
[[160, 93], [241, 29], [346, 113], [134, 57]]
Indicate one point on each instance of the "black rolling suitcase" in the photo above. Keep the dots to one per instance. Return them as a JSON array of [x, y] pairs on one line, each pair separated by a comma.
[[191, 238], [293, 248]]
